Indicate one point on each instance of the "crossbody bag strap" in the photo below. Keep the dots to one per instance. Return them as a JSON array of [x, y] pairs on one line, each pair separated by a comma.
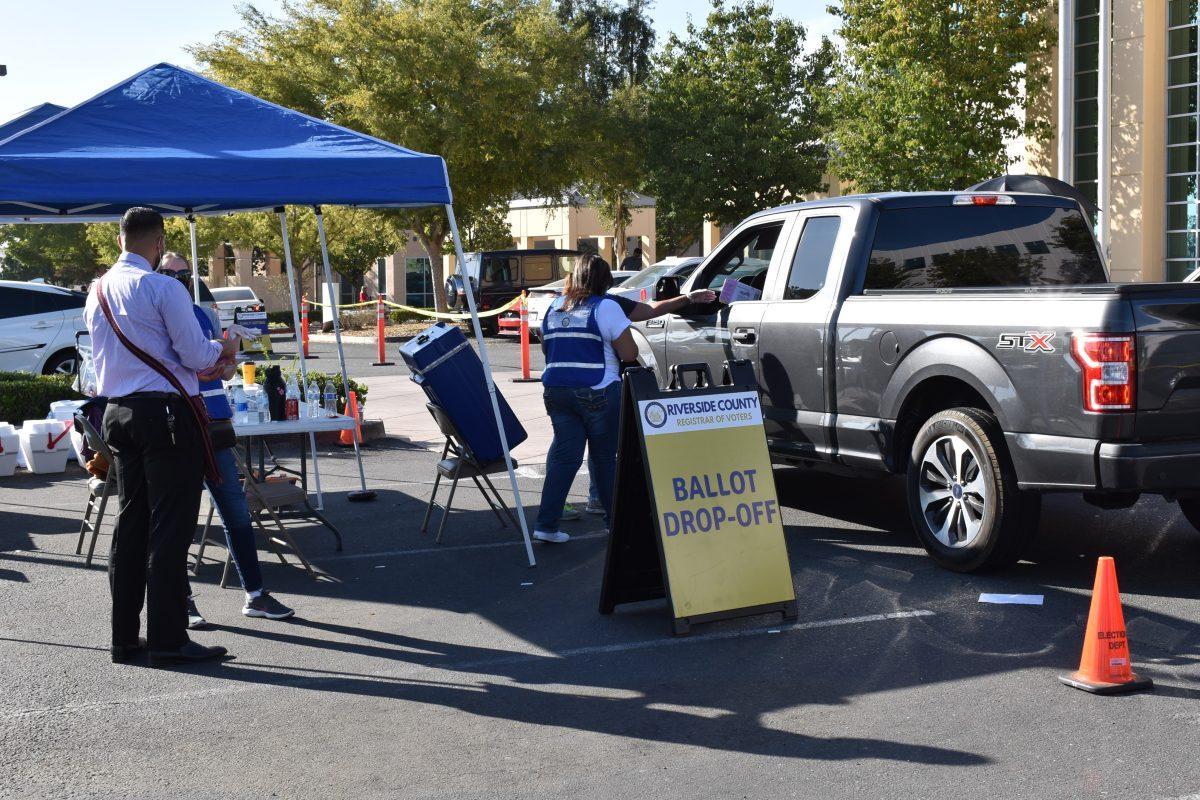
[[200, 416]]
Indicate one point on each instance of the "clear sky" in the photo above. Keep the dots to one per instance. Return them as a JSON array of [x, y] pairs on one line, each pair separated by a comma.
[[65, 51]]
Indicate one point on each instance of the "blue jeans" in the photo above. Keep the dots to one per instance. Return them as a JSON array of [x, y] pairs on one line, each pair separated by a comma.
[[235, 514], [579, 416]]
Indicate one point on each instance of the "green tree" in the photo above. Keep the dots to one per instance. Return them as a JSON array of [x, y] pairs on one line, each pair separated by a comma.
[[488, 230], [490, 85], [59, 254], [733, 119], [928, 91], [616, 63]]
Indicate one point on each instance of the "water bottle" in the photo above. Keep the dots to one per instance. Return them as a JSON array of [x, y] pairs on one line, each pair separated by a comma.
[[312, 399], [254, 404], [330, 399], [239, 405], [292, 400]]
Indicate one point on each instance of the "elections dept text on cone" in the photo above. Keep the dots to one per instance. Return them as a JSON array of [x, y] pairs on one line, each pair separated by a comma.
[[1106, 667]]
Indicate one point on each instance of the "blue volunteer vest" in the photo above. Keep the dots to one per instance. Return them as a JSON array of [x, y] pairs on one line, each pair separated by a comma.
[[574, 346], [212, 391]]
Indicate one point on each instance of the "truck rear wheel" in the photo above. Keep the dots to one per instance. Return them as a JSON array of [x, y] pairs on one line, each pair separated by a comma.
[[962, 493]]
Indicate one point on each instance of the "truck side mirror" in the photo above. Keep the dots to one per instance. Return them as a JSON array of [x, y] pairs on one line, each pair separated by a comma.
[[666, 288]]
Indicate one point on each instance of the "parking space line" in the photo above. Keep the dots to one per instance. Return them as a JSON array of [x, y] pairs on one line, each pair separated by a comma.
[[451, 548]]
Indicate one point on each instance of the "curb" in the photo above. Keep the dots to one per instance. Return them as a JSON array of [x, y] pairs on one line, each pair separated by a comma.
[[372, 430]]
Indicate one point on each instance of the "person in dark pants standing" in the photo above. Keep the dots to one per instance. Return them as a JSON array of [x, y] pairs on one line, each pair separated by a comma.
[[158, 447]]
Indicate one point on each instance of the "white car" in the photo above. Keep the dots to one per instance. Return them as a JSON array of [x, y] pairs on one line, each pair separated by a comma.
[[230, 299], [647, 279], [38, 323], [541, 297]]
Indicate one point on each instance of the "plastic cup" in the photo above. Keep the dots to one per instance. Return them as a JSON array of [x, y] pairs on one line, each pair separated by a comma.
[[248, 373]]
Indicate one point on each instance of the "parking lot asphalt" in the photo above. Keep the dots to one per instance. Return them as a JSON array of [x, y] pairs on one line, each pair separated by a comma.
[[456, 671]]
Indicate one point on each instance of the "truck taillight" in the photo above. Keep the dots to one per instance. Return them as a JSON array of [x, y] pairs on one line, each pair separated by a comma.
[[1109, 363]]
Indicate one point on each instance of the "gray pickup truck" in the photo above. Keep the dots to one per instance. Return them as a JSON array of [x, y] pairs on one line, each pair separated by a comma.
[[972, 341]]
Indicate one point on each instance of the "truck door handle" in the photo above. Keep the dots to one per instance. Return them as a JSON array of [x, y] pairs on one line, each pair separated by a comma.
[[744, 335]]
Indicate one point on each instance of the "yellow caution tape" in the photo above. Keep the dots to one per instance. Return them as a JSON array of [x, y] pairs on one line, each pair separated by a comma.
[[437, 314], [427, 313]]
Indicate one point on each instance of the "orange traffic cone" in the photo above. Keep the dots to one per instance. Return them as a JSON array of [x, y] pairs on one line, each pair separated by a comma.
[[1105, 667], [344, 438]]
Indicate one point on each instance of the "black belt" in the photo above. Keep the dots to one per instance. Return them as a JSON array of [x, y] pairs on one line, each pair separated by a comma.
[[145, 396]]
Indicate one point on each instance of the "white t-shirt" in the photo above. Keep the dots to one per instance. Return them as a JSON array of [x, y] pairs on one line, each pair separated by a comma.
[[612, 323]]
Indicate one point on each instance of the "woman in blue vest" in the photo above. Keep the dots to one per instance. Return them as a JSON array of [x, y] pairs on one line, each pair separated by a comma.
[[229, 496], [586, 337]]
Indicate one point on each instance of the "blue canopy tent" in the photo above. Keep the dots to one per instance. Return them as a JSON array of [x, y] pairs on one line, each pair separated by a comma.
[[186, 145], [28, 118]]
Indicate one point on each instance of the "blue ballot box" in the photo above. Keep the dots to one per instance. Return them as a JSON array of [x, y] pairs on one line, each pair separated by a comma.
[[443, 362]]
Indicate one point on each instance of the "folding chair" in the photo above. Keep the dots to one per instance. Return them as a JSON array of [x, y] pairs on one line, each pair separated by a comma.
[[260, 498], [457, 462], [98, 490]]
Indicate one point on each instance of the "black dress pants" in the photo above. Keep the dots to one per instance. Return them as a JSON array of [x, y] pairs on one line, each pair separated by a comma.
[[159, 482]]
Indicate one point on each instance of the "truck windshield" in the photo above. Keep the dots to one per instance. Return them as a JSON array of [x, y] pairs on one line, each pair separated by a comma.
[[982, 246]]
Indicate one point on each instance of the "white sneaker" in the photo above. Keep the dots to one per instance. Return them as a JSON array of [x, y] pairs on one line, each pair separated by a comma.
[[557, 537]]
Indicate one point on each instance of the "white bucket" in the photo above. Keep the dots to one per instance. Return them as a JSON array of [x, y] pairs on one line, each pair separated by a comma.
[[65, 410], [10, 447], [44, 445]]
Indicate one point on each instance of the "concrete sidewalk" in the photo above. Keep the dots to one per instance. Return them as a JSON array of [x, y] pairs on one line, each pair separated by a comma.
[[400, 404]]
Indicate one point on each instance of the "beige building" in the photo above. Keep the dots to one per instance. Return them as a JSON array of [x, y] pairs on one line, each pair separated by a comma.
[[1124, 105]]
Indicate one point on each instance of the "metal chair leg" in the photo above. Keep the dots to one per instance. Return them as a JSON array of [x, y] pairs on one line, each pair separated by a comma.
[[104, 493], [492, 505], [449, 502], [85, 527], [429, 506], [500, 500], [436, 481]]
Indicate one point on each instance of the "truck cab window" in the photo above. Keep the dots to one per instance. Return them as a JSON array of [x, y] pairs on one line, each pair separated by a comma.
[[982, 246], [811, 263], [745, 259]]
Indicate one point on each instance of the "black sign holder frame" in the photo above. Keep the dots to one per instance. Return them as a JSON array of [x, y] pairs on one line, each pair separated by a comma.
[[635, 564]]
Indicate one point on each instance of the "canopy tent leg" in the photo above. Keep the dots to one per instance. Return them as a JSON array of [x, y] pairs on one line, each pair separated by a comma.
[[291, 275], [491, 384], [195, 263], [364, 493]]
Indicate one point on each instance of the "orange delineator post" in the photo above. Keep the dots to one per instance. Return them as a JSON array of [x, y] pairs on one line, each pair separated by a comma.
[[304, 325], [344, 438], [380, 324], [523, 312], [1105, 666]]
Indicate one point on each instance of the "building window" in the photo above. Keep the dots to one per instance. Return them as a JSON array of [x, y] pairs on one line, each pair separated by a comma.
[[418, 282], [1182, 196], [1087, 106]]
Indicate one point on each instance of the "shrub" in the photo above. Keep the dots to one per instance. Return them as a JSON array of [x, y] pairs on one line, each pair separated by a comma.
[[282, 317], [24, 395], [400, 316], [359, 319]]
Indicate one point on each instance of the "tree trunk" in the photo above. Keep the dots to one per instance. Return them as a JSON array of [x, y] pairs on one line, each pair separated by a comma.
[[619, 232], [431, 238]]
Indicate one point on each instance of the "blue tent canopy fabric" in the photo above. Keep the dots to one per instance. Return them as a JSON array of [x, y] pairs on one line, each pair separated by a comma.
[[28, 118], [179, 142]]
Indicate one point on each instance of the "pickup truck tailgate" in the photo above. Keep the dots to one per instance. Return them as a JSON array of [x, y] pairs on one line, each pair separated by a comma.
[[1167, 321]]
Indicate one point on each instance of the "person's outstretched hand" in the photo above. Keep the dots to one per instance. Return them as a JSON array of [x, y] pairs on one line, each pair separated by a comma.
[[702, 296]]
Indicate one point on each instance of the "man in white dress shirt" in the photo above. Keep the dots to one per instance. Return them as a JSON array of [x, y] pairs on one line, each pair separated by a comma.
[[157, 447]]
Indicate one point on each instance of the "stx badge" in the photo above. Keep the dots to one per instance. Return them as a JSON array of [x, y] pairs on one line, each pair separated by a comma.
[[1030, 341]]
